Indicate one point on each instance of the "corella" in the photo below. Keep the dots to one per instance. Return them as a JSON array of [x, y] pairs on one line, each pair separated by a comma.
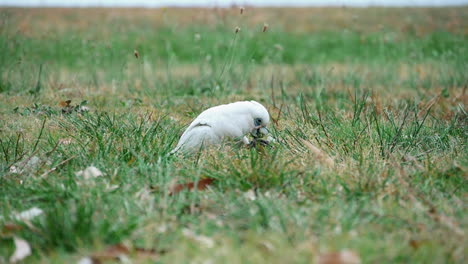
[[228, 121]]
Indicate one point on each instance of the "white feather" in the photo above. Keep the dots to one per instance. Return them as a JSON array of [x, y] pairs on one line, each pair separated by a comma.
[[229, 121]]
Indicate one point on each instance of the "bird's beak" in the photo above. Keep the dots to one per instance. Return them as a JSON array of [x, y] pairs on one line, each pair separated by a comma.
[[258, 130], [263, 130]]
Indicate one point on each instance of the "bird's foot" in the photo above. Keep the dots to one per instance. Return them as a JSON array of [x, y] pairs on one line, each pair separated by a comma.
[[258, 142]]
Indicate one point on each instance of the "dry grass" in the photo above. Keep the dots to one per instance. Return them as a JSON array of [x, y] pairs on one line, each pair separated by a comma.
[[368, 109], [421, 21]]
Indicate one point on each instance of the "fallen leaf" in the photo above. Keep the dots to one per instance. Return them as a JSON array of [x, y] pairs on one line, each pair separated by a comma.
[[29, 214], [82, 108], [144, 194], [65, 141], [203, 240], [87, 260], [342, 257], [65, 103], [26, 165], [22, 250], [250, 195], [9, 228], [320, 154], [111, 252], [278, 47], [119, 252], [111, 187], [89, 172], [149, 253], [114, 252], [415, 243], [14, 169], [200, 185], [32, 163], [162, 228], [68, 108], [267, 246]]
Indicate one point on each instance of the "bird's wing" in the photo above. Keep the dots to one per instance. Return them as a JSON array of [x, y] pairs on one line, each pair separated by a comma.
[[198, 122], [197, 134], [196, 138], [226, 118], [214, 124]]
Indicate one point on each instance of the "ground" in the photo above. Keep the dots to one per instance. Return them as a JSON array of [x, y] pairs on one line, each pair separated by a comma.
[[368, 107]]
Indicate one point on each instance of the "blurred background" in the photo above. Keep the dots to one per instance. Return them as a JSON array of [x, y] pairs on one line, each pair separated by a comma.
[[207, 3], [368, 106]]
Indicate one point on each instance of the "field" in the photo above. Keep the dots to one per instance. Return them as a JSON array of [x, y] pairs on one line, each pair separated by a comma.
[[369, 110]]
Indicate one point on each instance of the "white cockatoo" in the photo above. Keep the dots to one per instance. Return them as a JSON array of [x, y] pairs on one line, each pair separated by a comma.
[[228, 121]]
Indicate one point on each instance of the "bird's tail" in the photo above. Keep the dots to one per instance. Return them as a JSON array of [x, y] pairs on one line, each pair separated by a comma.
[[174, 150]]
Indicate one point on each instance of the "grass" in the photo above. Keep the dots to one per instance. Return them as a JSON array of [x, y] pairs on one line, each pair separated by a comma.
[[379, 94]]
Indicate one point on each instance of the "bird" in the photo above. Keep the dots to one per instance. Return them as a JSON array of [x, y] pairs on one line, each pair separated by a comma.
[[228, 121]]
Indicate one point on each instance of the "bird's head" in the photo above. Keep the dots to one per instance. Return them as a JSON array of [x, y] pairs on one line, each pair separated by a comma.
[[260, 119]]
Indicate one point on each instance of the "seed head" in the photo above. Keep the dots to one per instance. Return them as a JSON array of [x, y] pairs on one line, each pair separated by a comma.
[[242, 10], [135, 52], [237, 29], [265, 27]]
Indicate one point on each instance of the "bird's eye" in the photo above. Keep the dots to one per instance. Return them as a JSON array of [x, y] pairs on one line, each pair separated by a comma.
[[258, 121]]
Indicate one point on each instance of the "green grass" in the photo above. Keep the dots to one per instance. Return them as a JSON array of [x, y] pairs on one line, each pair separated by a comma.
[[386, 105]]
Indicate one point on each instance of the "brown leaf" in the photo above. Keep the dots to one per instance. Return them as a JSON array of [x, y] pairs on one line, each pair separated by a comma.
[[67, 108], [201, 185], [9, 228], [118, 248], [110, 253], [415, 244], [342, 257], [65, 103], [149, 253], [120, 252]]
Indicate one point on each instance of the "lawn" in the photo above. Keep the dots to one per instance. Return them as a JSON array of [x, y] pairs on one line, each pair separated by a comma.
[[369, 110]]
